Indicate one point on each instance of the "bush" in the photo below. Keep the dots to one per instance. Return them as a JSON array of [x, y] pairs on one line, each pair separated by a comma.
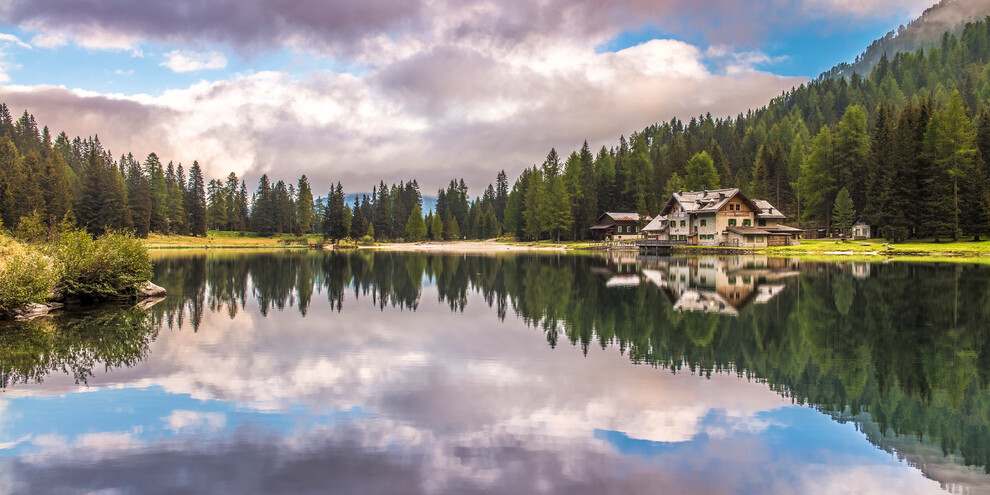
[[116, 264], [26, 275], [366, 241]]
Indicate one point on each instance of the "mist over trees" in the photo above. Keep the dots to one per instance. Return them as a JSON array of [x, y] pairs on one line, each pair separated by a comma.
[[910, 143]]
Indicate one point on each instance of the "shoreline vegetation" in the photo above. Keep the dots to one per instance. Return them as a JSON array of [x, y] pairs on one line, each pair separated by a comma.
[[45, 267], [832, 248]]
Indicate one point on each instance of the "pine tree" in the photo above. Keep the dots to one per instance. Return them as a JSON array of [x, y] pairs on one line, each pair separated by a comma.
[[501, 196], [263, 208], [196, 200], [701, 173], [817, 184], [304, 206], [852, 149], [554, 207], [216, 205], [359, 224], [436, 227], [843, 212], [139, 199], [159, 194], [415, 226]]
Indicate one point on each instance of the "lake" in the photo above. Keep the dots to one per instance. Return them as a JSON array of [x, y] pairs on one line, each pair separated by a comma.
[[376, 372]]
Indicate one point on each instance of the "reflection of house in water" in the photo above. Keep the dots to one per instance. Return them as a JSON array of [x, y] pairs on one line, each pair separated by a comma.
[[620, 269], [716, 285]]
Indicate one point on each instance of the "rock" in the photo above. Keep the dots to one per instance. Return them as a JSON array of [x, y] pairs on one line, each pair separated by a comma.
[[31, 311], [151, 290], [147, 303]]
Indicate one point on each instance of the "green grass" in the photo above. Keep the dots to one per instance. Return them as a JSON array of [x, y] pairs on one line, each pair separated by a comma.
[[878, 246], [217, 239]]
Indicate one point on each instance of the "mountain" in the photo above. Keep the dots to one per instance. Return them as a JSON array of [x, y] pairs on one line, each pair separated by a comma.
[[944, 18]]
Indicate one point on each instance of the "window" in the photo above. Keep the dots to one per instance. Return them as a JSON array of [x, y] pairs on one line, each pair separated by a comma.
[[747, 223], [732, 222], [759, 238], [683, 223], [749, 238], [732, 280], [704, 223], [762, 223]]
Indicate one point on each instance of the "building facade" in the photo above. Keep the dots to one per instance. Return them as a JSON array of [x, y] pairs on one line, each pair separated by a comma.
[[726, 217], [616, 227]]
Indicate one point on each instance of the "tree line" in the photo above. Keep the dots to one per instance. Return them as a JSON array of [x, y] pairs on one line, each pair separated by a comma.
[[909, 145]]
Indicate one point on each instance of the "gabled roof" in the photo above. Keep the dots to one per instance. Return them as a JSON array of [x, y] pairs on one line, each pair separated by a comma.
[[658, 224], [619, 217], [696, 202], [704, 201], [767, 210]]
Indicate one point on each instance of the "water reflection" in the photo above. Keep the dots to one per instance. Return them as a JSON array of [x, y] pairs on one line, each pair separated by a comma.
[[347, 366]]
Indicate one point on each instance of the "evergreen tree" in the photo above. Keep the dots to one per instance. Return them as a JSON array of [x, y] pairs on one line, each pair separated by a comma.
[[304, 206], [852, 149], [817, 182], [436, 228], [415, 226], [263, 208], [216, 205], [554, 207], [139, 199], [196, 199], [502, 196], [701, 173], [159, 194], [843, 212]]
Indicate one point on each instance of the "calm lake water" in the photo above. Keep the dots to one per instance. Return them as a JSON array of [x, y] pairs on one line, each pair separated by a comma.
[[395, 373]]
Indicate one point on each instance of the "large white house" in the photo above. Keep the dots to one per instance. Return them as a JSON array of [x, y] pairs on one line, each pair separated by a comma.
[[722, 217]]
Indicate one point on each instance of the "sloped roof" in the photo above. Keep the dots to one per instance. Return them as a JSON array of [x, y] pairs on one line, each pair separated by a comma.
[[767, 210], [628, 217], [704, 201], [658, 224]]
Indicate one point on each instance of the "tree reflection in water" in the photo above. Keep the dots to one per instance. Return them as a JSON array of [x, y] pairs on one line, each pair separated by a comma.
[[899, 348]]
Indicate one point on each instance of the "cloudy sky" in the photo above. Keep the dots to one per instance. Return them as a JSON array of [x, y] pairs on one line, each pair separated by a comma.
[[362, 90]]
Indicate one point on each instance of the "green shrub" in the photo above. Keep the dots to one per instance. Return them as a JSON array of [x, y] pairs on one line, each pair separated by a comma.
[[26, 275], [116, 264], [366, 241]]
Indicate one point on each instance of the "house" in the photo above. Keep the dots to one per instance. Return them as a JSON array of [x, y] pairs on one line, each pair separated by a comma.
[[616, 227], [861, 230], [656, 229], [726, 217]]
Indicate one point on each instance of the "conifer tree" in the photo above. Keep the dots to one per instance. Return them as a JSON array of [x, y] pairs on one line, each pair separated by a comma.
[[139, 199], [843, 212], [304, 206], [196, 194], [701, 173], [415, 226]]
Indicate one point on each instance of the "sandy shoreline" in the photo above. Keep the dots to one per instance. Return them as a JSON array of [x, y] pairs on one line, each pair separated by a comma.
[[463, 247]]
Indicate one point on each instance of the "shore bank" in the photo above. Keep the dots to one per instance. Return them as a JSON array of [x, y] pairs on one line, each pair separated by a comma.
[[468, 247]]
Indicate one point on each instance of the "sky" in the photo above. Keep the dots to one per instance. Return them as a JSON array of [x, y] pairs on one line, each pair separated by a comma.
[[359, 91]]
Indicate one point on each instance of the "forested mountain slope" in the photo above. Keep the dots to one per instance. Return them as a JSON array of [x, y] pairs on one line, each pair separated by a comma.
[[947, 16]]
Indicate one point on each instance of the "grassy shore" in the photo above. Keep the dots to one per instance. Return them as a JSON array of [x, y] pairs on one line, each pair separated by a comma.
[[230, 240], [878, 247]]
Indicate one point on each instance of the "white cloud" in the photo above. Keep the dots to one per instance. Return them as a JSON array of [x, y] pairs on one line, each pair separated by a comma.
[[866, 8], [187, 61], [194, 421], [122, 72], [10, 38]]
